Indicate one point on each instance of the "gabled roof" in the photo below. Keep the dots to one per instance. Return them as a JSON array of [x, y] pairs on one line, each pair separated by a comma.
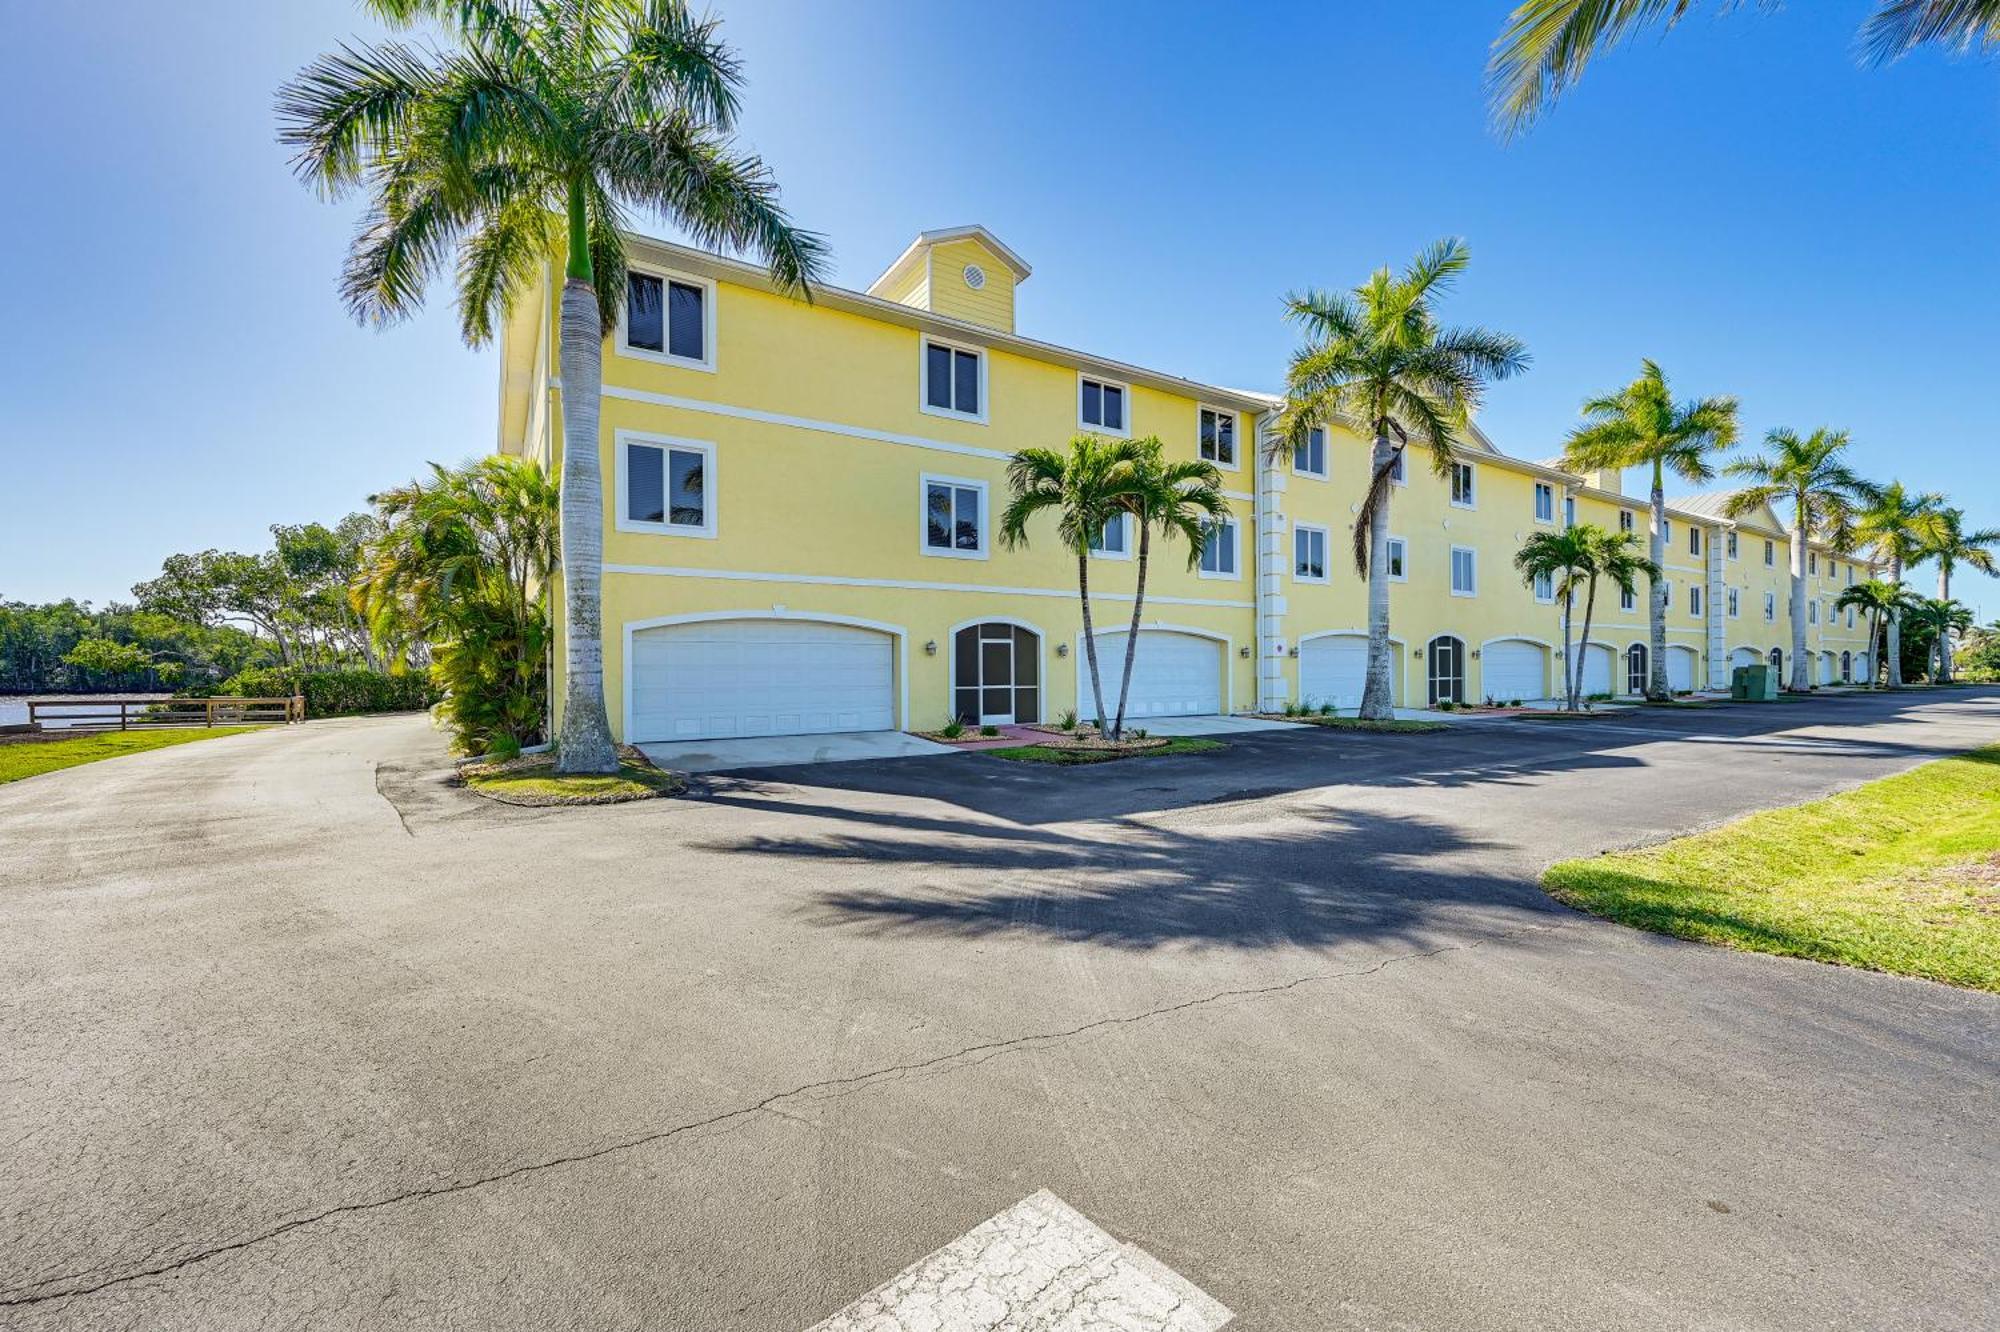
[[1715, 504], [925, 240]]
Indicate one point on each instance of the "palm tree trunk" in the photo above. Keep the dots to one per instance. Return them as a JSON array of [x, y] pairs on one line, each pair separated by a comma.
[[1378, 693], [1583, 644], [1893, 652], [1132, 638], [1657, 688], [585, 742], [1090, 635], [1874, 637], [1944, 631], [1569, 659], [1801, 676]]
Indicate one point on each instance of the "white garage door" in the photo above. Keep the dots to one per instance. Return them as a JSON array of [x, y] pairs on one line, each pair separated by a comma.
[[1514, 669], [724, 678], [1680, 668], [1596, 670], [1829, 668], [1173, 675], [1334, 669], [1746, 657]]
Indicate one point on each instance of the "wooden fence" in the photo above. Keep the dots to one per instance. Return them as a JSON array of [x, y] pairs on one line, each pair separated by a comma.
[[146, 714]]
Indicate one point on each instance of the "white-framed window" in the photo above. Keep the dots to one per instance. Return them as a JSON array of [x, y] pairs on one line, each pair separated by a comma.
[[1694, 599], [1463, 495], [1666, 532], [1694, 541], [1309, 550], [1545, 502], [954, 517], [1735, 604], [1216, 431], [1103, 405], [1812, 563], [1628, 599], [1667, 593], [1625, 522], [1729, 546], [665, 485], [1545, 587], [1399, 560], [668, 317], [1850, 617], [1113, 541], [1398, 473], [1770, 604], [954, 380], [1812, 611], [1464, 571], [1218, 550], [1569, 512], [1309, 454], [1770, 555]]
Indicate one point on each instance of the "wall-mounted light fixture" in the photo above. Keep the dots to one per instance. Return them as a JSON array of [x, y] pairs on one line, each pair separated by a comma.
[[930, 648], [1062, 649], [1244, 652]]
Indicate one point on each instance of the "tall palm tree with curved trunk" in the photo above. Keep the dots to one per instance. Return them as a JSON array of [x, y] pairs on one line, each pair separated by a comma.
[[1547, 44], [1894, 526], [533, 128], [1642, 426], [1824, 492], [1086, 488], [1182, 499], [1377, 358], [1948, 545], [1882, 602]]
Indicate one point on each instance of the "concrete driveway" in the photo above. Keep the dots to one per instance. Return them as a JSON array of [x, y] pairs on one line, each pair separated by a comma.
[[294, 1036]]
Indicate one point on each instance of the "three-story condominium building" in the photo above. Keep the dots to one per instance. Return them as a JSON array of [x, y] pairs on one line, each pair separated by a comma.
[[802, 502]]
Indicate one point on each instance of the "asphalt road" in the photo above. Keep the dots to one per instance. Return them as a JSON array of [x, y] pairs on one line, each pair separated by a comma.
[[294, 1036]]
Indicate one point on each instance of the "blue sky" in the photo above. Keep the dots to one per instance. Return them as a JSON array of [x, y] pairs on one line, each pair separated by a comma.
[[1740, 201]]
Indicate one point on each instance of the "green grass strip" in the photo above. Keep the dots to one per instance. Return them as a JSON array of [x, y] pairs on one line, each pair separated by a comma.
[[1063, 756], [31, 758]]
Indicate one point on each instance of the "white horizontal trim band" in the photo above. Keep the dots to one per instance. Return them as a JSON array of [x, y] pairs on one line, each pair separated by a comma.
[[906, 584]]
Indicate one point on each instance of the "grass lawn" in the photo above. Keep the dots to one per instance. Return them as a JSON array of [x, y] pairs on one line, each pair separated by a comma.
[[1064, 756], [1363, 724], [1901, 875], [533, 780], [29, 758]]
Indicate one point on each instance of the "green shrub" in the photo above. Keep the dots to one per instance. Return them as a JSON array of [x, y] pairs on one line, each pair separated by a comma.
[[989, 730], [1068, 722], [336, 693], [1326, 710], [952, 728]]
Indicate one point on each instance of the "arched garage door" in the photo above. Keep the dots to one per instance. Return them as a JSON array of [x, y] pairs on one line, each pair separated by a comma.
[[1597, 667], [1680, 668], [1745, 657], [718, 679], [1513, 668], [1173, 675], [1829, 668], [1333, 668]]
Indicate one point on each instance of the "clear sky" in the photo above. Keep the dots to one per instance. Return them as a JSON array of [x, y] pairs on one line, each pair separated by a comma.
[[1740, 201]]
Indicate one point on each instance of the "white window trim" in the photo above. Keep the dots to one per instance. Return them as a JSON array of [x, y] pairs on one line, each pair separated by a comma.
[[1554, 508], [1734, 601], [1628, 521], [1548, 600], [1404, 576], [623, 440], [924, 513], [1633, 597], [1451, 570], [924, 345], [1471, 484], [1325, 454], [707, 363], [1730, 546], [1236, 433], [1770, 608], [1124, 432], [1125, 521], [1326, 542], [1235, 554], [1694, 598]]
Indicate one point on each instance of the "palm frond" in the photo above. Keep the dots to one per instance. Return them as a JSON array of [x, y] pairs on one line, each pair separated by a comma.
[[1547, 44], [348, 107], [1899, 27], [673, 64]]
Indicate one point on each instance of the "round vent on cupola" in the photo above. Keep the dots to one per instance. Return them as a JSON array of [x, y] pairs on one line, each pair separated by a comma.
[[975, 276]]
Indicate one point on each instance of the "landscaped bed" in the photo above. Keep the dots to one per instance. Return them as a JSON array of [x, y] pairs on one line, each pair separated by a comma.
[[30, 756], [1086, 748], [1900, 875], [1354, 723], [532, 779]]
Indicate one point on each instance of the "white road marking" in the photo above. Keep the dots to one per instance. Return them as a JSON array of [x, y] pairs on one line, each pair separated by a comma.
[[1039, 1266]]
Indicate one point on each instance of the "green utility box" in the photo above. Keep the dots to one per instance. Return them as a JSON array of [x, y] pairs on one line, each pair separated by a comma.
[[1755, 684]]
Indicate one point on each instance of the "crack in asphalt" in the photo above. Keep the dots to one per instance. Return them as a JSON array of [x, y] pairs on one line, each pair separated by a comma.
[[966, 1057]]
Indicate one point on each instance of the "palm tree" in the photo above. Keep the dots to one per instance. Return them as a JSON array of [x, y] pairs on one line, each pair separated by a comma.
[[1882, 601], [1894, 526], [535, 128], [1642, 426], [1565, 559], [1087, 487], [1547, 44], [1377, 358], [1824, 495], [1948, 543], [1182, 499], [1941, 615], [1618, 560]]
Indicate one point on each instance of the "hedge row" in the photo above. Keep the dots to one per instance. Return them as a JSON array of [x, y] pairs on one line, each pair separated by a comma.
[[336, 693]]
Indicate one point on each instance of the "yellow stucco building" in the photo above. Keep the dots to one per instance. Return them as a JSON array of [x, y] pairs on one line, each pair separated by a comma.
[[802, 503]]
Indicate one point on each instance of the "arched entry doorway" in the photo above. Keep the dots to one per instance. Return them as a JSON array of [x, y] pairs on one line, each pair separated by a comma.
[[1445, 662], [1637, 668], [996, 673]]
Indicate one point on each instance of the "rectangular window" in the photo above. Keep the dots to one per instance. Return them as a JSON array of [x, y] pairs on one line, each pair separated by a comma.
[[1309, 456], [1770, 554], [1666, 594], [1309, 554], [1464, 572], [1461, 485], [667, 318], [1112, 541], [1628, 599], [1666, 532], [1218, 437], [1396, 472], [1812, 562], [1102, 406], [954, 517], [1694, 600], [1812, 611], [1735, 604], [1624, 520], [1770, 605], [666, 486], [952, 380], [1545, 587], [1545, 502], [1569, 512], [1399, 569], [1218, 550], [1694, 541], [1730, 547]]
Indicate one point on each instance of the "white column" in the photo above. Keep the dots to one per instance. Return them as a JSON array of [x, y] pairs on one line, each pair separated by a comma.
[[1717, 608], [1273, 529]]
